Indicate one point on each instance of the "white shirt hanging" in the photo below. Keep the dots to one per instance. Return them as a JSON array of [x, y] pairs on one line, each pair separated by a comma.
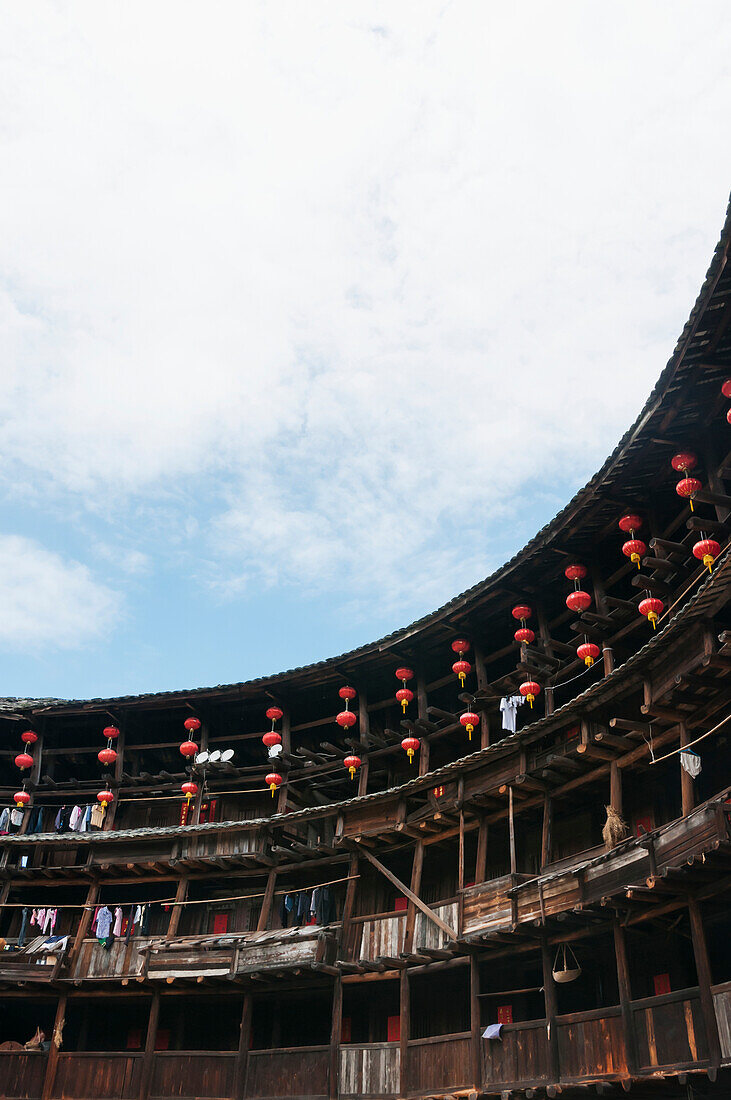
[[509, 707], [691, 762]]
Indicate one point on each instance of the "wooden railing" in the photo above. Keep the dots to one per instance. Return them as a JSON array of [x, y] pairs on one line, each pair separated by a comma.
[[669, 1030], [442, 1062], [218, 956], [370, 1069], [122, 960], [21, 1074], [93, 1076], [376, 937], [591, 1044], [722, 1005], [198, 1074], [519, 1057], [290, 1071]]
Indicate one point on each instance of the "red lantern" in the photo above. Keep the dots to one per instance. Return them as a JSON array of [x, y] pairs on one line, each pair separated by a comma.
[[524, 634], [529, 690], [23, 761], [110, 732], [105, 797], [635, 550], [578, 601], [274, 714], [189, 789], [684, 461], [522, 611], [460, 645], [192, 724], [346, 719], [726, 388], [728, 416], [410, 745], [404, 696], [271, 738], [352, 763], [470, 721], [462, 669], [188, 749], [630, 523], [651, 608], [107, 756], [687, 487], [588, 653], [22, 798], [707, 550], [575, 572], [273, 780], [29, 737], [347, 693]]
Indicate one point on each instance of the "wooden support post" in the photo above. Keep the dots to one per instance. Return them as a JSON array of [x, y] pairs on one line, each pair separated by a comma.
[[177, 909], [545, 636], [267, 901], [615, 787], [547, 831], [118, 745], [35, 776], [687, 793], [413, 893], [349, 903], [364, 734], [404, 1020], [475, 1021], [335, 1033], [49, 1078], [196, 815], [511, 829], [460, 869], [286, 749], [703, 969], [481, 858], [422, 705], [625, 994], [147, 1058], [482, 685], [242, 1057], [549, 995]]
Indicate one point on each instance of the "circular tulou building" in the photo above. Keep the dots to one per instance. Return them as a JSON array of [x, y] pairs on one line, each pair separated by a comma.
[[488, 855]]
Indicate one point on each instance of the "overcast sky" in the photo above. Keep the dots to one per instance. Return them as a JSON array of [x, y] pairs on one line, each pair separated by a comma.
[[312, 314]]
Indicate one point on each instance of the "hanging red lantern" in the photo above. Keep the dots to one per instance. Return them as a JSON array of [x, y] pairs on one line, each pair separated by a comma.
[[271, 738], [188, 749], [29, 737], [651, 608], [347, 693], [410, 745], [578, 601], [21, 799], [23, 760], [110, 732], [687, 487], [726, 388], [352, 763], [470, 721], [189, 789], [683, 462], [346, 719], [525, 635], [529, 690], [522, 611], [635, 550], [728, 416], [462, 669], [404, 695], [107, 756], [273, 780], [588, 653], [192, 724], [707, 550], [575, 572], [274, 714], [630, 523], [460, 645], [105, 797]]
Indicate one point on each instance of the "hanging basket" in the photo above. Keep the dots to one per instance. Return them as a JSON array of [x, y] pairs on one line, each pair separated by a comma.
[[565, 966]]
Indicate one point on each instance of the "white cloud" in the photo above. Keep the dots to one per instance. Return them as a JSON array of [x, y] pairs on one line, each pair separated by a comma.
[[329, 283], [49, 602]]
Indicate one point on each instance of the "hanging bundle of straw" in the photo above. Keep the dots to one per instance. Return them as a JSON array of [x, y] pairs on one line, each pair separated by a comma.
[[614, 830]]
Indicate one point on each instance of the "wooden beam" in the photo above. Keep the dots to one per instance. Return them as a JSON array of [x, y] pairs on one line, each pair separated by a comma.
[[407, 892], [149, 1054]]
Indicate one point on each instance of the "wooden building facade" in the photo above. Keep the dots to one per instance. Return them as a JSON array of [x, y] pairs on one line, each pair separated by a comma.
[[532, 912]]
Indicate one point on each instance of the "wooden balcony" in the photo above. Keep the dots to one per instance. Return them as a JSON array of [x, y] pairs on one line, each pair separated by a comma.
[[122, 960], [292, 1071], [378, 939], [370, 1069], [21, 1074], [239, 956], [198, 1073], [30, 966], [438, 1064]]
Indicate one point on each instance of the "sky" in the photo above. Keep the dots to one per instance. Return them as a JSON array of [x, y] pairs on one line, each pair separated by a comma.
[[311, 315]]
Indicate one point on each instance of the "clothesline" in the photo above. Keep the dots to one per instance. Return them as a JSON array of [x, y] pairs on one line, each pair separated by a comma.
[[247, 897], [684, 748]]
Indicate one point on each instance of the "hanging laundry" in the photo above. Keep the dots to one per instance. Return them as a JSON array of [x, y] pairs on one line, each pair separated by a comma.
[[98, 813], [49, 920], [5, 820], [23, 926], [103, 924], [76, 814], [691, 762], [509, 707], [117, 921], [16, 816]]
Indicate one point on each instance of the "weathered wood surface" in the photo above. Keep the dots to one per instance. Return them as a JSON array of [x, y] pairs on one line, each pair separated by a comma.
[[122, 960], [16, 966], [488, 905], [439, 1063], [91, 1076], [370, 1069], [521, 1055], [428, 934], [215, 956], [193, 1075], [591, 1044], [722, 1006], [381, 936], [21, 1074], [670, 1030], [296, 1071]]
